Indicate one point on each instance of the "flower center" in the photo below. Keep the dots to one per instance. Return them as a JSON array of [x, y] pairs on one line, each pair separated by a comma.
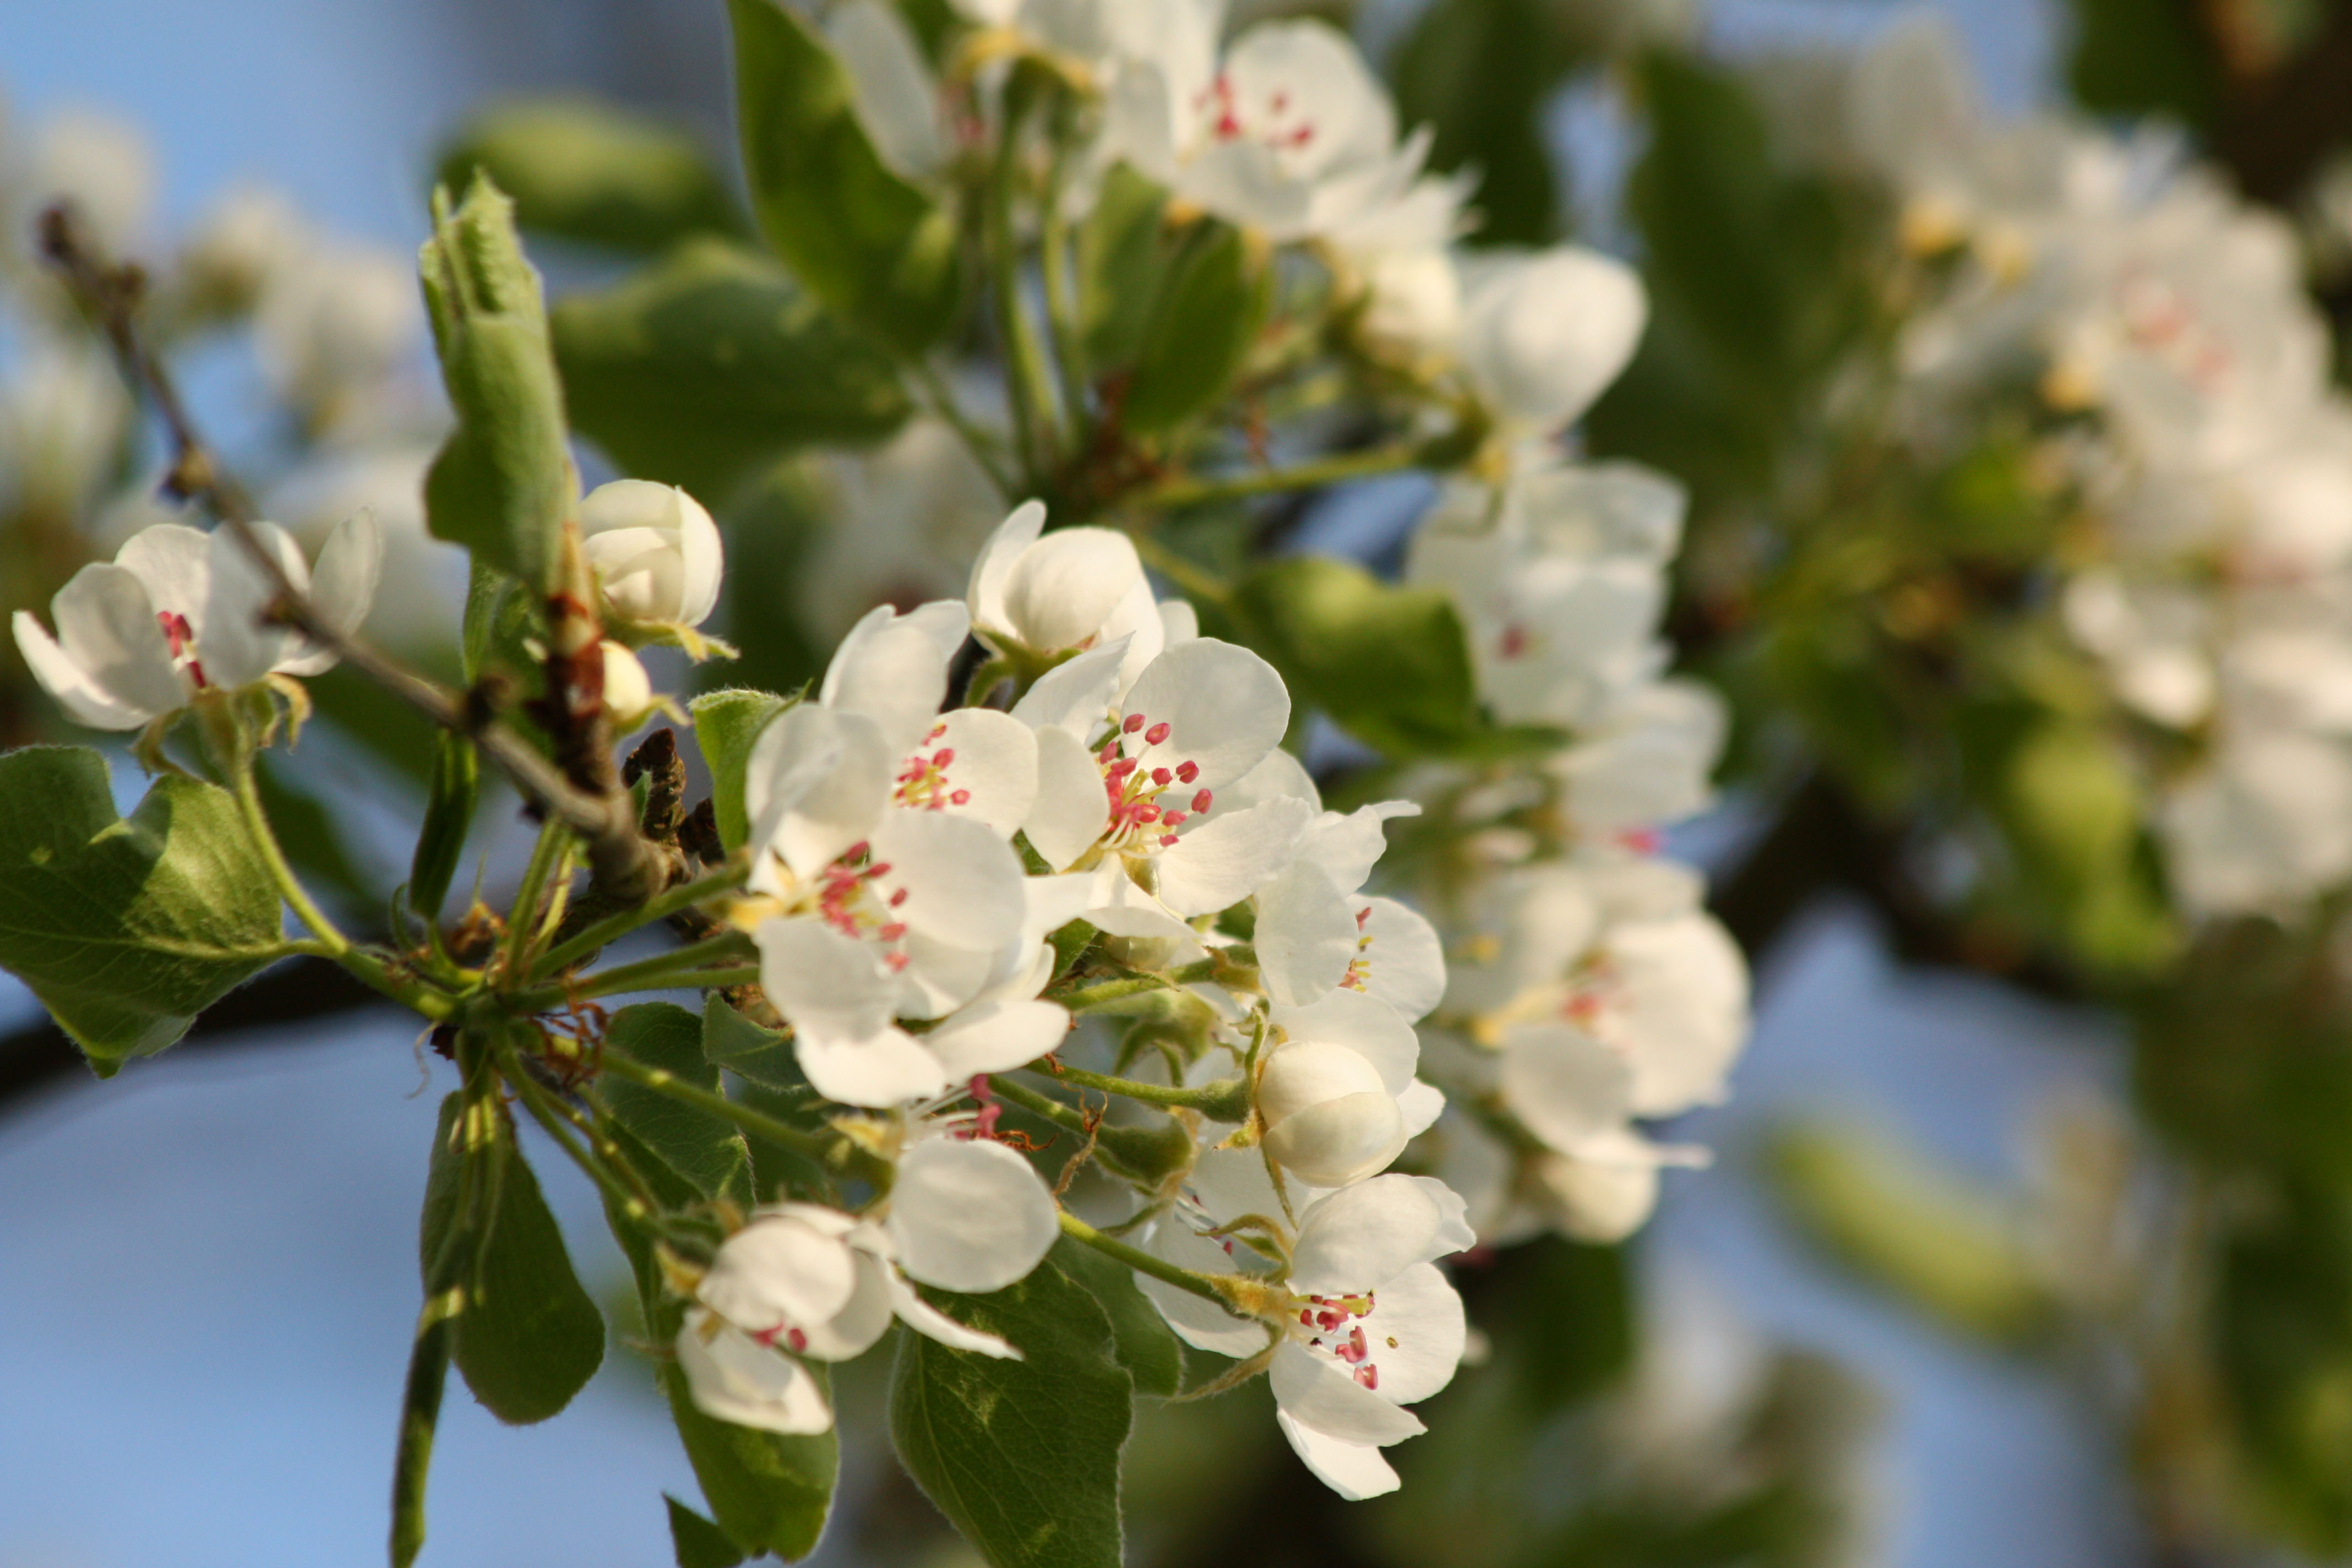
[[849, 901], [1330, 1324], [180, 637], [1360, 968], [1230, 118], [923, 781], [1137, 817]]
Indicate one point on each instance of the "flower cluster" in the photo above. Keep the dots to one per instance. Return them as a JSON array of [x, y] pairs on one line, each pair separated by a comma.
[[2156, 327]]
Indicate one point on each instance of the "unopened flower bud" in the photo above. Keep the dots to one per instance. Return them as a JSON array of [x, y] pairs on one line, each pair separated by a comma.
[[656, 552], [628, 689], [1329, 1118]]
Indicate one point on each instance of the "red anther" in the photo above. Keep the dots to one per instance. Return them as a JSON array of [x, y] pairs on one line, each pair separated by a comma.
[[893, 932], [1168, 841], [1329, 1320], [856, 850], [177, 634], [1356, 1342], [1157, 733], [1109, 751], [943, 756], [1204, 799], [897, 898], [1146, 814], [895, 962], [1369, 1376], [1161, 776], [1362, 915], [1278, 102], [881, 870], [1121, 768], [1306, 1318], [1187, 772], [1515, 640], [1133, 722], [797, 1339], [1173, 818], [960, 797]]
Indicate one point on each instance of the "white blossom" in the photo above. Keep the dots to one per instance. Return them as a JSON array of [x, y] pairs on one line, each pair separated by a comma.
[[656, 552]]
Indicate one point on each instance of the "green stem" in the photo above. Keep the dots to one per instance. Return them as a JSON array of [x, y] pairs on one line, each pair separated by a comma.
[[537, 1101], [522, 918], [816, 1146], [612, 928], [1189, 492], [699, 964], [1043, 1105], [1103, 992], [1061, 302], [1142, 1262], [1227, 1100], [982, 446], [248, 790], [1032, 393]]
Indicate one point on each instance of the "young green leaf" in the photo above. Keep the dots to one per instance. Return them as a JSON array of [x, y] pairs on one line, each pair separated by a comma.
[[455, 789], [595, 172], [767, 1491], [1140, 1337], [698, 1542], [1389, 665], [126, 927], [524, 1332], [1204, 318], [712, 363], [732, 1041], [1123, 253], [503, 483], [1021, 1455], [865, 240], [704, 1149], [726, 723]]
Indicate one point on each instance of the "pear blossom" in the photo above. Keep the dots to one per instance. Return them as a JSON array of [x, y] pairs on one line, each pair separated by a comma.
[[655, 552], [179, 611], [902, 525], [1035, 594], [803, 1282], [1363, 1323], [1290, 133], [1127, 786]]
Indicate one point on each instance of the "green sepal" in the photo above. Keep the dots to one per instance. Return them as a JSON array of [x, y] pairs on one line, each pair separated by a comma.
[[455, 792]]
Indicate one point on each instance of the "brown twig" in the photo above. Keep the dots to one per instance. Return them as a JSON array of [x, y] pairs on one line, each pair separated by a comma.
[[624, 864]]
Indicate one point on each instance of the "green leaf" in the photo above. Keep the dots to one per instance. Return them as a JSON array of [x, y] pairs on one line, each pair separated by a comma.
[[1140, 1337], [732, 1041], [865, 241], [1479, 73], [595, 172], [2073, 811], [698, 1542], [420, 1417], [726, 725], [1389, 665], [455, 790], [503, 483], [1203, 318], [1021, 1456], [767, 1491], [2143, 57], [711, 365], [704, 1149], [1123, 251], [525, 1334], [126, 927]]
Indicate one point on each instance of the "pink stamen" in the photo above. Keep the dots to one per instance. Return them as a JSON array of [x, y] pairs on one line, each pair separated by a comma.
[[1161, 776], [1134, 721], [1157, 733], [1185, 773], [1202, 801]]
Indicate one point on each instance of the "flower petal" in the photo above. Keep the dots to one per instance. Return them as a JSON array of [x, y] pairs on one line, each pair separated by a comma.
[[893, 669], [62, 679], [931, 1323], [1071, 810], [997, 1037], [862, 1320], [1354, 1471], [1314, 1391], [816, 783], [884, 1069], [1305, 935], [1564, 1084], [731, 1378], [1404, 966], [235, 646], [1364, 1025], [343, 586], [971, 1216], [992, 776], [985, 596], [961, 883], [828, 986], [778, 1271], [1416, 1333], [1223, 861], [107, 630], [1065, 585], [1224, 706], [1075, 695], [1363, 1236]]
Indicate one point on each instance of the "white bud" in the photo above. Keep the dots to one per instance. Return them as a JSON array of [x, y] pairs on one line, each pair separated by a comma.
[[1329, 1118], [628, 689], [1545, 333], [1598, 1201], [1412, 308], [656, 552]]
